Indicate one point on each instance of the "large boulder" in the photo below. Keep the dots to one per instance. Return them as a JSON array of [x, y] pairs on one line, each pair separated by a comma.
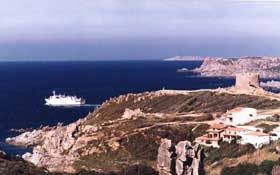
[[164, 157], [182, 159]]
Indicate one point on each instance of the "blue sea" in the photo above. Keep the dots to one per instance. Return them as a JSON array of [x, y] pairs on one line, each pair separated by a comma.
[[24, 85]]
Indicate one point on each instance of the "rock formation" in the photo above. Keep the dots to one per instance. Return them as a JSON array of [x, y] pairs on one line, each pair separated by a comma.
[[164, 157], [182, 159], [132, 114], [50, 143]]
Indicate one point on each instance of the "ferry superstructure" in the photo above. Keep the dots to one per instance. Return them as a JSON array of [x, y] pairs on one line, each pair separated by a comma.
[[63, 100]]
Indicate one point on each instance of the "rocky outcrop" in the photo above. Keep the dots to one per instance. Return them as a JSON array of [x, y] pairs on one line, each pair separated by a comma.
[[164, 157], [50, 145], [132, 114], [182, 159], [267, 67]]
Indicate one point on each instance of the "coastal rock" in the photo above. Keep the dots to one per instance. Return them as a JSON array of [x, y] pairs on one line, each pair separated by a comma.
[[28, 139], [49, 145]]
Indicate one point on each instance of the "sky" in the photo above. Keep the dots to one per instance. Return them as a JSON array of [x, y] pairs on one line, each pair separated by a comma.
[[137, 29]]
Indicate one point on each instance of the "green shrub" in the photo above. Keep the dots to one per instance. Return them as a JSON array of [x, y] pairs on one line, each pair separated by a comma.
[[230, 150], [241, 169], [266, 127], [266, 166]]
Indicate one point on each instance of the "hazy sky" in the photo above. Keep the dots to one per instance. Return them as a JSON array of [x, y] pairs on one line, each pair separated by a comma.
[[137, 29]]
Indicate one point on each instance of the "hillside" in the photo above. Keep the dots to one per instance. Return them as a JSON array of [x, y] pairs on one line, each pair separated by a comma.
[[127, 130]]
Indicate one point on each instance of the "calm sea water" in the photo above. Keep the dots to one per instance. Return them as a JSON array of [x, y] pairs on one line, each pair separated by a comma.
[[24, 85]]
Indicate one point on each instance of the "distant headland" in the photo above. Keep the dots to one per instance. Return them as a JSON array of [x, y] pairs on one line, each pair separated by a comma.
[[185, 58], [266, 67]]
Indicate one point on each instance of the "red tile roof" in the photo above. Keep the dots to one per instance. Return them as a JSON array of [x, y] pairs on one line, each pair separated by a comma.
[[237, 109], [218, 126]]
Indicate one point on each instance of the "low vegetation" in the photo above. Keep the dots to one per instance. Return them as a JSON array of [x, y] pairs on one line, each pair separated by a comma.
[[266, 127], [227, 150], [241, 169], [200, 102], [265, 168]]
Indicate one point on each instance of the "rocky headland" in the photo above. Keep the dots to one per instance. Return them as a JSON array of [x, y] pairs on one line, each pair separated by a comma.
[[266, 67], [127, 131]]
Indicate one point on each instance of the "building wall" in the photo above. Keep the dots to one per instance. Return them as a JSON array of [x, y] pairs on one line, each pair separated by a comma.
[[257, 141], [244, 116]]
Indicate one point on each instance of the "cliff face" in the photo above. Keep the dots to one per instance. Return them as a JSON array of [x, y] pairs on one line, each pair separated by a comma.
[[128, 130], [267, 67]]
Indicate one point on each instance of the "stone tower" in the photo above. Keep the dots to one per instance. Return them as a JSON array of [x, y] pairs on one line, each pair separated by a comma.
[[247, 81]]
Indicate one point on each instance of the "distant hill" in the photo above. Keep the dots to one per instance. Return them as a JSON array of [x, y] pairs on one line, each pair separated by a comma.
[[267, 67], [185, 58]]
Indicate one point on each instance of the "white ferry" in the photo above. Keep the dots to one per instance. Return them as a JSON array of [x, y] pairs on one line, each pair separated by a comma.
[[63, 100]]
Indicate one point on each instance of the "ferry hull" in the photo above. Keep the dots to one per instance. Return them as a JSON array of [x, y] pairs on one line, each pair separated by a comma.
[[63, 103]]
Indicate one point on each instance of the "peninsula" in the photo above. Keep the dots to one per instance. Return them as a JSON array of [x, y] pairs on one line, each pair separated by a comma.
[[148, 131]]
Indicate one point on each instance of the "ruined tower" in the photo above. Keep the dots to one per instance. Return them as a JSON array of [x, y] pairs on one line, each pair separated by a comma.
[[247, 81]]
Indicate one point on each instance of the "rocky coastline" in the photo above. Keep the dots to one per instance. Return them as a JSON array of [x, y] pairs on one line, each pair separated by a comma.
[[127, 130]]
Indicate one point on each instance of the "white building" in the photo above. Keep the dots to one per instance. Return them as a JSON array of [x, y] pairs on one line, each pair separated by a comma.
[[275, 133], [239, 115], [233, 133], [256, 138], [251, 128]]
